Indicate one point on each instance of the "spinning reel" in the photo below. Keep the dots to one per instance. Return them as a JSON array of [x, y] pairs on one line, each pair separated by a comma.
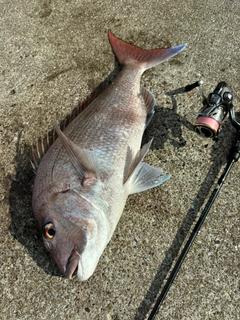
[[209, 119], [215, 109]]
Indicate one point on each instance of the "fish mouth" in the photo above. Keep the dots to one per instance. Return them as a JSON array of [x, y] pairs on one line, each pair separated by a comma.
[[72, 267]]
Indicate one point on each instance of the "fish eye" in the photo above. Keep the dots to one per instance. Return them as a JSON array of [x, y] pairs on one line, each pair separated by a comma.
[[49, 231]]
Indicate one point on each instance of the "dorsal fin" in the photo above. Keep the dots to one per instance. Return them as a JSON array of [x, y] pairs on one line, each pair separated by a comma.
[[126, 54], [41, 146]]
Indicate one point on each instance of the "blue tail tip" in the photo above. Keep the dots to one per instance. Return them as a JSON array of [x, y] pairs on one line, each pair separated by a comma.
[[177, 49], [181, 47]]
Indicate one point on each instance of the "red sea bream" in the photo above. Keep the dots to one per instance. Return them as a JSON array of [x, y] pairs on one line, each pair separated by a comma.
[[84, 179]]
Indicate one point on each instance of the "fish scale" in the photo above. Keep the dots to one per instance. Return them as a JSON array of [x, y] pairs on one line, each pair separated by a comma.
[[89, 133], [85, 177], [113, 111]]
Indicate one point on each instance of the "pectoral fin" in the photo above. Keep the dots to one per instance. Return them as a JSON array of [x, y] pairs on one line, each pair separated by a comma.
[[82, 160], [141, 176]]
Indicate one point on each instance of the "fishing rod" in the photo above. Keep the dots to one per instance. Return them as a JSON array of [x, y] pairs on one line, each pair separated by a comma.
[[209, 119]]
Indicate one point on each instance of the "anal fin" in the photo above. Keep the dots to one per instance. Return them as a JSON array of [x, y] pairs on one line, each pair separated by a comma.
[[150, 103]]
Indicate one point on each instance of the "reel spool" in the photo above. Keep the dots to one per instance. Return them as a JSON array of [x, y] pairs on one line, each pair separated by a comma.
[[214, 110]]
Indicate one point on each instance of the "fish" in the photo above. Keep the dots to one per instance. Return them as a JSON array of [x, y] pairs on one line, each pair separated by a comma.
[[85, 177]]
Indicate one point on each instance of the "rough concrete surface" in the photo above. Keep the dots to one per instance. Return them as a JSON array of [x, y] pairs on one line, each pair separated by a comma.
[[52, 55]]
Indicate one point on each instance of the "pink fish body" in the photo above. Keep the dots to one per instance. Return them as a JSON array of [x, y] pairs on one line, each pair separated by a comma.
[[84, 179]]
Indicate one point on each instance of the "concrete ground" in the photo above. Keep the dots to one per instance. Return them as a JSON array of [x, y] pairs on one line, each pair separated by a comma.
[[52, 55]]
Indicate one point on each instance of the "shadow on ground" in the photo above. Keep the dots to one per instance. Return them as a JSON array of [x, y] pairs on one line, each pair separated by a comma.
[[24, 228], [217, 160]]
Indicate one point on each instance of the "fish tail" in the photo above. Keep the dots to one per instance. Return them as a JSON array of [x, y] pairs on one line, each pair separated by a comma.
[[128, 54]]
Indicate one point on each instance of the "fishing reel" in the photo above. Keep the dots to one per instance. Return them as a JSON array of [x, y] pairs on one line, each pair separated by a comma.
[[209, 119], [215, 108]]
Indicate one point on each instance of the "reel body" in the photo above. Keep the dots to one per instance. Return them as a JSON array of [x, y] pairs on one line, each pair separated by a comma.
[[214, 110]]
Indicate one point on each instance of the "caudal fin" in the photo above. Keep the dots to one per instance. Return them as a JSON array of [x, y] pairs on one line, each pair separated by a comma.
[[127, 53]]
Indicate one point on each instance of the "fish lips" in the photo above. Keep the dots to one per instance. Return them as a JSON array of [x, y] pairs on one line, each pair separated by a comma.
[[73, 266]]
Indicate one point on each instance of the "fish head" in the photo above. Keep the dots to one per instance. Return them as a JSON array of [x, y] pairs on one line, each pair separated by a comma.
[[73, 231]]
